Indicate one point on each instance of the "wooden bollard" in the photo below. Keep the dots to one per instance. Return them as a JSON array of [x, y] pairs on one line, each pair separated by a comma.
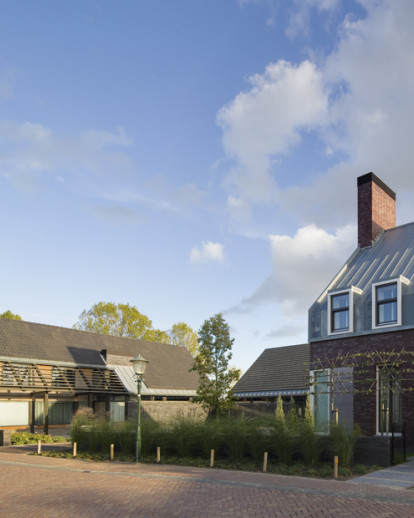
[[39, 447], [158, 454], [265, 462], [211, 458], [74, 448], [111, 453], [335, 468]]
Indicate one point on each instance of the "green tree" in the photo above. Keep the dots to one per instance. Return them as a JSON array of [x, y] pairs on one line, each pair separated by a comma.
[[183, 335], [8, 314], [123, 320], [212, 364]]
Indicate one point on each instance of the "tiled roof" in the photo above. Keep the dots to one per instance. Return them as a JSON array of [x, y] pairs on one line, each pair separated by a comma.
[[277, 369], [168, 366]]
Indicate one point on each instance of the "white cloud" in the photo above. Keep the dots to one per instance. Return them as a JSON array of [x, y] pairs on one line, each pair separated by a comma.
[[357, 101], [208, 251], [30, 150], [267, 121], [103, 139], [302, 266]]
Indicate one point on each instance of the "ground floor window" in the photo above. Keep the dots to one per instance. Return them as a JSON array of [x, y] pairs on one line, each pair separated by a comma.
[[321, 398], [389, 399], [60, 412]]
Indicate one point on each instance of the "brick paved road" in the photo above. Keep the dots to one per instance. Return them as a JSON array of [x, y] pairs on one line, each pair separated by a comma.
[[47, 487]]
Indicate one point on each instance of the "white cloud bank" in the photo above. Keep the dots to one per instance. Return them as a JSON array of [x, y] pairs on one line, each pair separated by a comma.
[[267, 120], [357, 102], [208, 252]]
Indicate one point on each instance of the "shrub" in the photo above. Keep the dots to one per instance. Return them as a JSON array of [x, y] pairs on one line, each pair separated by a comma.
[[308, 440], [18, 438], [209, 436], [184, 433], [235, 436], [284, 440], [343, 443]]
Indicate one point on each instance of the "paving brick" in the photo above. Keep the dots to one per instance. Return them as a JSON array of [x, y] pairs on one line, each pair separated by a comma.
[[48, 487]]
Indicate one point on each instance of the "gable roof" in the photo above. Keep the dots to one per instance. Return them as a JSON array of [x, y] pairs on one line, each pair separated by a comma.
[[169, 365], [277, 371], [390, 257]]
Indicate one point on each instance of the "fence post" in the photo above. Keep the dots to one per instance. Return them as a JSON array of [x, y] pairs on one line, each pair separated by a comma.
[[158, 454], [39, 447], [211, 458], [265, 462], [335, 467], [74, 449], [111, 454], [404, 443]]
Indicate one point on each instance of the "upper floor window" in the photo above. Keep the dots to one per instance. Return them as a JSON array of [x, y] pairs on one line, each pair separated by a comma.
[[386, 297], [386, 303], [340, 311]]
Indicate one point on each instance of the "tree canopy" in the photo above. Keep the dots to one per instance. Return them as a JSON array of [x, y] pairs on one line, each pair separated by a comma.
[[8, 314], [123, 320], [212, 364], [183, 335]]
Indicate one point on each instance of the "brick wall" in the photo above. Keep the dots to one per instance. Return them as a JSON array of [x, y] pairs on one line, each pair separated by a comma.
[[376, 208], [324, 352]]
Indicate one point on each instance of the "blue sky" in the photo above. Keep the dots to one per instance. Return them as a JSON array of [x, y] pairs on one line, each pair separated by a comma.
[[191, 157]]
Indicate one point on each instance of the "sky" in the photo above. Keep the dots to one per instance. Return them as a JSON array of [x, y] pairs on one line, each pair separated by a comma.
[[192, 157]]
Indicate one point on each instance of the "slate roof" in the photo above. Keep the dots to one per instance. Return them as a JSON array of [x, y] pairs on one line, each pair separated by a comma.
[[168, 366], [279, 370], [390, 256]]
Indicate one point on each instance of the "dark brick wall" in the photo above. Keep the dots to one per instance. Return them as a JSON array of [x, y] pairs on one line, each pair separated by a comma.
[[324, 352], [373, 451], [376, 209]]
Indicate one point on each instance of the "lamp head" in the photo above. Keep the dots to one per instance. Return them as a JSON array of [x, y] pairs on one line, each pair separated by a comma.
[[139, 364]]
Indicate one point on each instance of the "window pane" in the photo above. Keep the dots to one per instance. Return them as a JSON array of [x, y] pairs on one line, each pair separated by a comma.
[[341, 320], [340, 301], [387, 312], [321, 402], [389, 390], [387, 292]]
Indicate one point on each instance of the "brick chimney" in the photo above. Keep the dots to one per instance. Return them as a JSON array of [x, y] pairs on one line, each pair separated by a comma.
[[376, 208]]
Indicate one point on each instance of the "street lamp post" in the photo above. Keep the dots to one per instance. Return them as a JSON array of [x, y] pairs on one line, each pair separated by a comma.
[[139, 364]]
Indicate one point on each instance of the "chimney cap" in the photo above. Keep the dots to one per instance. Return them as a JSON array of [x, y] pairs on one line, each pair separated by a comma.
[[371, 177]]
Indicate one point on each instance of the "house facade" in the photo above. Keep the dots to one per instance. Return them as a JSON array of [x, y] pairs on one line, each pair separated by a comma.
[[361, 327], [47, 373]]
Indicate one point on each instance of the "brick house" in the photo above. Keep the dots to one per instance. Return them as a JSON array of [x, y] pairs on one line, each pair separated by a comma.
[[48, 372], [261, 385], [361, 328]]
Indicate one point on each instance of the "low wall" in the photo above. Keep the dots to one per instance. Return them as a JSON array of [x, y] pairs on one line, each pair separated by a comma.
[[373, 451], [5, 437], [164, 410]]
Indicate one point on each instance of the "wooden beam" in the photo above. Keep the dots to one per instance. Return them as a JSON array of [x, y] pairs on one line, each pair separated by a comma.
[[46, 413]]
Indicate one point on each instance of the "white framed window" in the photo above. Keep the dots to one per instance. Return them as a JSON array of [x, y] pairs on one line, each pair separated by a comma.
[[341, 310], [321, 399], [387, 303]]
